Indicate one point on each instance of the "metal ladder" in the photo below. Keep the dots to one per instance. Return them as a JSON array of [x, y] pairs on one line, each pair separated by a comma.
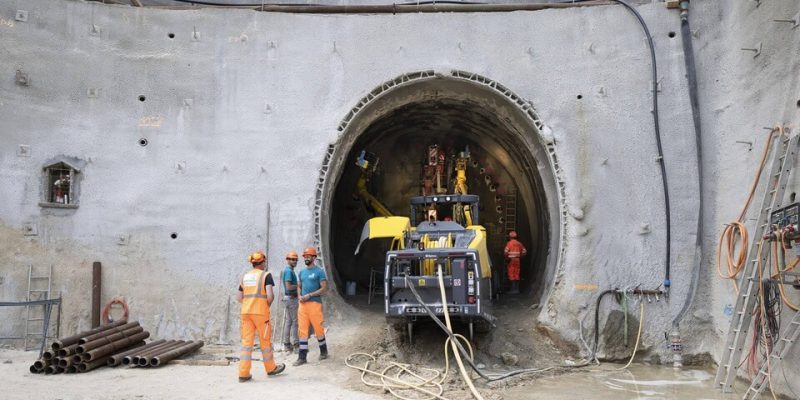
[[782, 164], [34, 322], [782, 346], [510, 208]]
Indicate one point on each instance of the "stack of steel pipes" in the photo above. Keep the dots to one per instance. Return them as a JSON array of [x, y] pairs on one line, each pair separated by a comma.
[[110, 345], [155, 354]]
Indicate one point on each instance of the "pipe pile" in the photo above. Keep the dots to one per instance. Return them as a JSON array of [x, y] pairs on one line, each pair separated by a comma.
[[110, 345]]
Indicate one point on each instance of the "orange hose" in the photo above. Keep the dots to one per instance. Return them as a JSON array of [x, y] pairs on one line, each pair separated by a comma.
[[735, 234], [107, 308]]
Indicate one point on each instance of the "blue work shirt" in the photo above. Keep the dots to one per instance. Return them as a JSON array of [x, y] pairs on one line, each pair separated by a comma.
[[311, 280], [289, 276]]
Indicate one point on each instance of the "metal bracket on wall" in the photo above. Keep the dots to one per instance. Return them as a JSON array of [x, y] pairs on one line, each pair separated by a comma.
[[795, 21], [756, 50]]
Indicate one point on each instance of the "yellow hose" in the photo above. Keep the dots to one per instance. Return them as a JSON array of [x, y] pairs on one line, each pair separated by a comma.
[[464, 374], [638, 336]]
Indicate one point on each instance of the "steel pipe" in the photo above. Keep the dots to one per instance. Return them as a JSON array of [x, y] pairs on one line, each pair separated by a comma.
[[34, 370], [144, 361], [65, 362], [77, 359], [48, 355], [133, 359], [72, 369], [116, 346], [51, 369], [171, 355], [85, 367], [70, 340], [67, 351], [116, 359], [41, 364], [88, 346], [100, 335]]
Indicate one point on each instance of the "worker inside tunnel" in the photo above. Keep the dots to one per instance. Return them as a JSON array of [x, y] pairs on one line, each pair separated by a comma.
[[417, 147]]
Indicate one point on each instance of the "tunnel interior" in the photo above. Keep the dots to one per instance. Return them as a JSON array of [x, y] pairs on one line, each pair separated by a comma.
[[501, 170]]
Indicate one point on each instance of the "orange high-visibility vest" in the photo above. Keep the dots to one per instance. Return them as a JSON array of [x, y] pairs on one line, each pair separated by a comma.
[[514, 249], [254, 300]]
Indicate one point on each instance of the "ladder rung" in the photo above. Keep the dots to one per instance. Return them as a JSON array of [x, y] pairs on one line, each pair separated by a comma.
[[776, 356], [40, 277], [36, 319], [763, 372], [795, 322]]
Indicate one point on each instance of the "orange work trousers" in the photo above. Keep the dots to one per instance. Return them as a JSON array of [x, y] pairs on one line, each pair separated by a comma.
[[513, 269], [309, 313], [252, 323]]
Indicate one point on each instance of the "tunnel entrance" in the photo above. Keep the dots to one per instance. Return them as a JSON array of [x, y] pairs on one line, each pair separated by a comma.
[[510, 168]]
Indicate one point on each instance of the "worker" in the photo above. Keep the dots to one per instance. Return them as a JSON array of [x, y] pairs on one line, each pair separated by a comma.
[[289, 279], [255, 294], [312, 284], [513, 251]]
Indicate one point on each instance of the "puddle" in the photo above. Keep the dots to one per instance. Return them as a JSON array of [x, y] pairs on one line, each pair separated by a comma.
[[637, 382]]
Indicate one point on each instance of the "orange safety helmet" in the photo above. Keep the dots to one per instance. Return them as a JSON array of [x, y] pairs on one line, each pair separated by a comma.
[[257, 257], [512, 234], [310, 251], [291, 256]]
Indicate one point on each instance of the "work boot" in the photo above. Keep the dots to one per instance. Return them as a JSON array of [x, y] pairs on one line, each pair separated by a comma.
[[299, 362], [245, 379], [323, 353], [514, 287], [278, 369], [287, 347]]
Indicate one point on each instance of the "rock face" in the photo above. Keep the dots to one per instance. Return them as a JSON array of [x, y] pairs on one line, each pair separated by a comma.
[[612, 336]]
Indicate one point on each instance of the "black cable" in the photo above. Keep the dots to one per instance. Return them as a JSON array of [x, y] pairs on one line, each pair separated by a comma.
[[667, 282], [597, 320]]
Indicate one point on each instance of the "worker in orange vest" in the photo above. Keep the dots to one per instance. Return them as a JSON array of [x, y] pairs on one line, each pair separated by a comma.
[[255, 294], [513, 251]]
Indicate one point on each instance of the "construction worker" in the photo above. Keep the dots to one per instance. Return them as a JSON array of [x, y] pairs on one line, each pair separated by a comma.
[[289, 279], [312, 284], [255, 294], [513, 251]]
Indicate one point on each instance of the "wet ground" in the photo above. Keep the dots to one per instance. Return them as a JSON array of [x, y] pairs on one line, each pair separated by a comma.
[[637, 382]]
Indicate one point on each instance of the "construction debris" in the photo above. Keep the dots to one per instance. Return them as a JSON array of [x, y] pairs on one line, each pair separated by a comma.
[[110, 345]]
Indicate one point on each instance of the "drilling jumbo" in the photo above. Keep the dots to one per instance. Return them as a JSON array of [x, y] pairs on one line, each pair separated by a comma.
[[422, 244]]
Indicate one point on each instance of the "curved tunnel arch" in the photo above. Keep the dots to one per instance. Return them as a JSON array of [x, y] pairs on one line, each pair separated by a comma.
[[457, 108]]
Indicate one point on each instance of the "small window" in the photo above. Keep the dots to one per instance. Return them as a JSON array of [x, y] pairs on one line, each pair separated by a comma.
[[60, 186]]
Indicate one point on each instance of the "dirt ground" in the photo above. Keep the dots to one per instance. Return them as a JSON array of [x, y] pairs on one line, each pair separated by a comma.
[[362, 329]]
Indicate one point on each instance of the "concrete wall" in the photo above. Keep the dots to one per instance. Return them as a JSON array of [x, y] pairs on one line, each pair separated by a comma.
[[241, 117], [740, 95], [241, 106]]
